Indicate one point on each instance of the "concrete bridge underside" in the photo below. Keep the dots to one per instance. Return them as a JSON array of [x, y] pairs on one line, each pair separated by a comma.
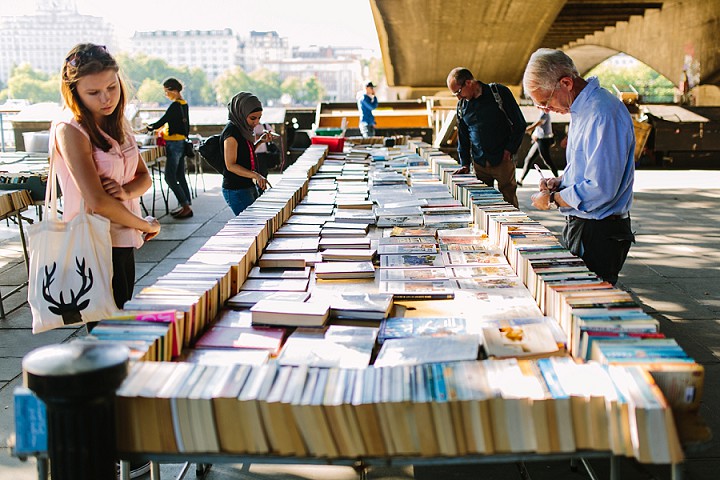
[[422, 40]]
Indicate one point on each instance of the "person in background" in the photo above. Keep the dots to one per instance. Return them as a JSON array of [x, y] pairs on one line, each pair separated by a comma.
[[240, 178], [542, 138], [98, 162], [265, 157], [596, 190], [177, 122], [490, 131], [367, 102]]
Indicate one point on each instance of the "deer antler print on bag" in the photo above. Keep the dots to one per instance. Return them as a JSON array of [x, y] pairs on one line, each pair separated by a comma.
[[70, 312]]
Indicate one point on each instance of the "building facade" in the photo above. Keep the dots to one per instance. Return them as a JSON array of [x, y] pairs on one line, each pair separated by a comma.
[[341, 78], [262, 47], [213, 51], [42, 40]]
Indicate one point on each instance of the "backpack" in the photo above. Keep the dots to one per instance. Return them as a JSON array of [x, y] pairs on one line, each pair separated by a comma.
[[211, 151], [498, 100]]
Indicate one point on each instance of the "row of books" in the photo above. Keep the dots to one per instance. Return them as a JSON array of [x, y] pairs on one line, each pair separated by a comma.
[[602, 322], [443, 409], [487, 291], [14, 200], [199, 288]]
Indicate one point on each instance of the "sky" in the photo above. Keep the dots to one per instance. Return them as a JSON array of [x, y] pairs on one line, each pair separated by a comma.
[[303, 22]]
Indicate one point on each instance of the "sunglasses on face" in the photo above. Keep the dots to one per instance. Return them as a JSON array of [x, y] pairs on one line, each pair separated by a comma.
[[78, 58]]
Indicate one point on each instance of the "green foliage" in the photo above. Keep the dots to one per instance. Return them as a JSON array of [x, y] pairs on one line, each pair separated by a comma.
[[266, 85], [292, 87], [652, 87], [312, 92], [231, 82], [36, 86], [196, 88], [151, 91]]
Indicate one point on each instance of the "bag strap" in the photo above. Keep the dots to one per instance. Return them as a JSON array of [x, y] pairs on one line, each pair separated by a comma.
[[50, 208], [499, 101]]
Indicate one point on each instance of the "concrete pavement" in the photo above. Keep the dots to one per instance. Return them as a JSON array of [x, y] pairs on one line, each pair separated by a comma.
[[673, 269]]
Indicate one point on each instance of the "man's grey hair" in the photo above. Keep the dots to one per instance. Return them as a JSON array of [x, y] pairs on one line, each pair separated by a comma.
[[545, 67]]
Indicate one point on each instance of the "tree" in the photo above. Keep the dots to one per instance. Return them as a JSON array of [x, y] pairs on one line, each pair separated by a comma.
[[231, 82], [653, 87], [313, 91], [292, 87], [151, 91], [196, 88], [25, 82], [266, 85]]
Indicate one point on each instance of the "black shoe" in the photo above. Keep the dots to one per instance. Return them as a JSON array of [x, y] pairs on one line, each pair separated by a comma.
[[187, 214]]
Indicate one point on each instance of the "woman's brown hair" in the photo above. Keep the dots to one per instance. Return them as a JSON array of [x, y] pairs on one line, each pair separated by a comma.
[[87, 59]]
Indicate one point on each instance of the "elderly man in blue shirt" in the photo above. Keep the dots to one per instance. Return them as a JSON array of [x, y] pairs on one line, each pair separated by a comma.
[[596, 190]]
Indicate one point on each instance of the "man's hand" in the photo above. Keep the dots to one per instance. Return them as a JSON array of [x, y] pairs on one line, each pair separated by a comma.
[[541, 200], [462, 170], [506, 156]]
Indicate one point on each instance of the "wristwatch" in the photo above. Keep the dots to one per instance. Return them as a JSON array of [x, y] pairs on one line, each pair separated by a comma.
[[551, 201]]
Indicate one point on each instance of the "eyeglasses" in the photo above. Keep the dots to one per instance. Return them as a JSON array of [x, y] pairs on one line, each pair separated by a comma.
[[77, 58], [459, 90], [544, 105]]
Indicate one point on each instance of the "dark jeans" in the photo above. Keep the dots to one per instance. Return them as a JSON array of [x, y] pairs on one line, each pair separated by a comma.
[[366, 130], [540, 148], [602, 244], [239, 200], [175, 171]]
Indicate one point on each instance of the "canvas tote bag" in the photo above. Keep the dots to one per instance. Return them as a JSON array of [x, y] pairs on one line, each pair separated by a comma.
[[70, 277]]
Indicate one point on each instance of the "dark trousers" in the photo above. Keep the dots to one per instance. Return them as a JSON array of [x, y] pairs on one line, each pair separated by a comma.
[[504, 173], [541, 148], [123, 281], [602, 244]]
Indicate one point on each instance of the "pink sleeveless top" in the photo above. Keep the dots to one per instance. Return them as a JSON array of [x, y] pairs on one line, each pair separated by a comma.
[[118, 163]]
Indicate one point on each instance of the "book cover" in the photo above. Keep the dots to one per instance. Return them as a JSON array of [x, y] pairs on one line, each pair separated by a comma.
[[532, 340], [411, 261], [422, 290], [248, 298], [31, 434], [263, 338], [344, 270], [338, 346], [403, 327], [292, 314], [297, 273], [412, 274], [428, 349], [275, 284]]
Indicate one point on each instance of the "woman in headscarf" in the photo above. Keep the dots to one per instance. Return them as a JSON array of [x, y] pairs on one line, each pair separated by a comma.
[[240, 178]]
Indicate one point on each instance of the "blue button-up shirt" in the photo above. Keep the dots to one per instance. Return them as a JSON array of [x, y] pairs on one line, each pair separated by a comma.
[[598, 179]]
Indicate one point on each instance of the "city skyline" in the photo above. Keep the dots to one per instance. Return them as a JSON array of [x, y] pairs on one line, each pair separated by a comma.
[[312, 22]]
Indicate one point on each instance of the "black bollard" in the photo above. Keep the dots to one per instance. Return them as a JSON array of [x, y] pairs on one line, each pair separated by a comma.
[[77, 382]]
